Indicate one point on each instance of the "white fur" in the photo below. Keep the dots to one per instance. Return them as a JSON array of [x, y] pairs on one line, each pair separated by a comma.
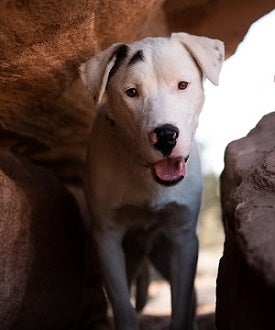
[[121, 190]]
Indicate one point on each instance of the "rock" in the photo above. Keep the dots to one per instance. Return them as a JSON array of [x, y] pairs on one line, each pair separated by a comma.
[[246, 277], [41, 254], [214, 18], [45, 112]]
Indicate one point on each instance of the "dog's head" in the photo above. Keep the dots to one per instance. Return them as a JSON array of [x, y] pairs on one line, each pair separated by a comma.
[[154, 92]]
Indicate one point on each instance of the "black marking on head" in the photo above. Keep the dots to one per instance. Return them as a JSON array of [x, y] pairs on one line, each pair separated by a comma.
[[138, 56], [120, 54]]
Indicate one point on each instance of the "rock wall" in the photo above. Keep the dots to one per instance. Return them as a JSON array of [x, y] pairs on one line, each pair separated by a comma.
[[41, 254], [246, 279], [45, 113], [226, 20]]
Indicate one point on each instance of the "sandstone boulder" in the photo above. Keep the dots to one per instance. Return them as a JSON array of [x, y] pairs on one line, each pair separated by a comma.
[[246, 278], [41, 249], [215, 18]]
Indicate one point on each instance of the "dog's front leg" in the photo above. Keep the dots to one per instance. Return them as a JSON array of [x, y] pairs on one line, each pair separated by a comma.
[[112, 261], [183, 261]]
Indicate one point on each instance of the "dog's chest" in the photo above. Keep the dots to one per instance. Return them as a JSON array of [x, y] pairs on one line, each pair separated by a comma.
[[130, 216], [148, 218]]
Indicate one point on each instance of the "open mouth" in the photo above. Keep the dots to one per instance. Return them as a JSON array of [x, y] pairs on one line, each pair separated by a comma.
[[169, 171]]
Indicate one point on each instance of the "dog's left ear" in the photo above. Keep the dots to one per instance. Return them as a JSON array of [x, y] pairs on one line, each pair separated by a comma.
[[95, 72], [209, 53]]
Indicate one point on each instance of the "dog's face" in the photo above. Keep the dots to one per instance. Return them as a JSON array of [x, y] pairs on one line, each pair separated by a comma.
[[155, 95]]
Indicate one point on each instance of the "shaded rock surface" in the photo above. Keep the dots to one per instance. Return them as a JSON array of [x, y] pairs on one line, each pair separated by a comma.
[[246, 279], [45, 113], [41, 249], [215, 18]]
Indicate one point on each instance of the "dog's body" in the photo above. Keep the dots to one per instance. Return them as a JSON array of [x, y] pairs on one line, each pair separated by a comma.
[[141, 148]]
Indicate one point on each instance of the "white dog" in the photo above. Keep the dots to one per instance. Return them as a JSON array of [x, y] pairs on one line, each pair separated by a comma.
[[144, 178]]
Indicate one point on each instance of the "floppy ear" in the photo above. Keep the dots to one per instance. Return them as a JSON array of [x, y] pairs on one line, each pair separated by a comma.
[[95, 72], [209, 53]]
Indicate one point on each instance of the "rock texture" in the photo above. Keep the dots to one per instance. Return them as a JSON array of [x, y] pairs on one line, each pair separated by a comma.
[[45, 113], [215, 18], [246, 280], [41, 249]]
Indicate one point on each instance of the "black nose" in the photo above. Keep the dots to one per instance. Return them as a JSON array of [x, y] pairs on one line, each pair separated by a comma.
[[166, 136]]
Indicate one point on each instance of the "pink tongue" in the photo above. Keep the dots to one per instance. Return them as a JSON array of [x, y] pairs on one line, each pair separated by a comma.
[[170, 169]]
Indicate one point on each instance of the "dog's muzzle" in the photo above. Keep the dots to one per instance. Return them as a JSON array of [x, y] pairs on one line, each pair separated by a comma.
[[169, 170]]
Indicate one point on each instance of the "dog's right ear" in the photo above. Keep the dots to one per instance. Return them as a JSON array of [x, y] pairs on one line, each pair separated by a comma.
[[96, 72], [208, 52]]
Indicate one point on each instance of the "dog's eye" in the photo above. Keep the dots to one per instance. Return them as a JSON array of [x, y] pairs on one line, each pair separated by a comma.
[[182, 85], [132, 92]]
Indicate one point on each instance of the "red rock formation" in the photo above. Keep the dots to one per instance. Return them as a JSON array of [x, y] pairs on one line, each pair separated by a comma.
[[41, 252], [246, 280], [225, 20]]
